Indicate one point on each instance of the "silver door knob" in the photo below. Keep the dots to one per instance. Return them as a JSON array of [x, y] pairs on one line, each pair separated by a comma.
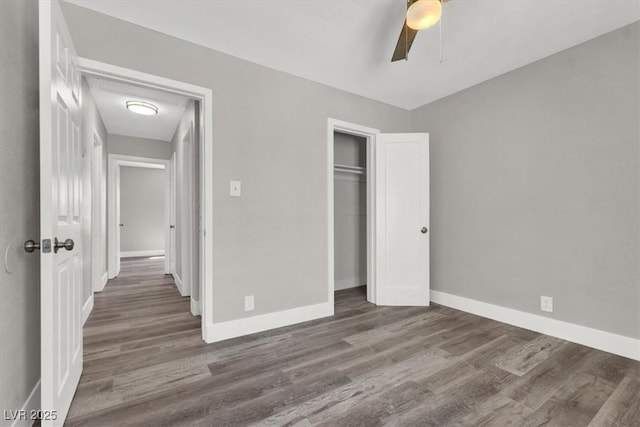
[[121, 225], [31, 245], [171, 227], [424, 230], [67, 244]]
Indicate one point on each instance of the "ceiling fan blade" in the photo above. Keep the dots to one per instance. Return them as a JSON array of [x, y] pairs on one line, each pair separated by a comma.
[[407, 36]]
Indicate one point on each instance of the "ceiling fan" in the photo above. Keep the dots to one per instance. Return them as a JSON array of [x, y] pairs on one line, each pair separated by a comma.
[[421, 14]]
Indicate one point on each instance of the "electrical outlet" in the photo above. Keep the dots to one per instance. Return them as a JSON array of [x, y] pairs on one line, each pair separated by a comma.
[[235, 188], [249, 304], [546, 304]]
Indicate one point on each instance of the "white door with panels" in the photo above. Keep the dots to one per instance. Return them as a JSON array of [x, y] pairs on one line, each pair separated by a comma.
[[60, 210], [402, 219]]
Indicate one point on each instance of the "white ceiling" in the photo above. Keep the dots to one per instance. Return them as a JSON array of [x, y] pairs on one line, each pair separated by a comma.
[[348, 44], [111, 97]]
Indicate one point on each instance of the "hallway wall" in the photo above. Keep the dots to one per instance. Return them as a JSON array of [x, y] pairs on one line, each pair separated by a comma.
[[139, 147], [91, 122], [142, 194]]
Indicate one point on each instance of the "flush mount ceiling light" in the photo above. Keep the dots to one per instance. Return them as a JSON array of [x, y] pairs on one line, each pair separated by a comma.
[[141, 107], [424, 14]]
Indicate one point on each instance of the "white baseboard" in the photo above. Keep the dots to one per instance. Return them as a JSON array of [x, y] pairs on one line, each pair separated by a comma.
[[102, 283], [250, 325], [181, 287], [86, 309], [195, 308], [131, 254], [595, 338], [31, 404]]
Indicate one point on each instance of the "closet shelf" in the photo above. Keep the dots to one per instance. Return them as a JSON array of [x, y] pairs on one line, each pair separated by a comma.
[[350, 169]]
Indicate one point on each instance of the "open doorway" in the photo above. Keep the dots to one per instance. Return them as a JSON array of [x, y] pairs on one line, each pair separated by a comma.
[[350, 213], [139, 205], [142, 207], [154, 174], [351, 216]]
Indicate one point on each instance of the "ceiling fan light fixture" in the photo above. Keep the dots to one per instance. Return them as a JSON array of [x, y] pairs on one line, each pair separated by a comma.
[[141, 107], [424, 14]]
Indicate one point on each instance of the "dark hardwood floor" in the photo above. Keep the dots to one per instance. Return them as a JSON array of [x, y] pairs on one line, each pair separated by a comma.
[[146, 364]]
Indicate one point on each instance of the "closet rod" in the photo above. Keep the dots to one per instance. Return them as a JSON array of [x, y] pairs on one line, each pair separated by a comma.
[[350, 169]]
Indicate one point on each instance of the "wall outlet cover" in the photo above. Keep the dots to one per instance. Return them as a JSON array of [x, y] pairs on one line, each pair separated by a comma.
[[249, 304], [546, 304], [235, 188]]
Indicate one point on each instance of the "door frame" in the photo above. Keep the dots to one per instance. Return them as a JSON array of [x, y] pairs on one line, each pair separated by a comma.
[[335, 125], [204, 96], [184, 166], [115, 162], [98, 215], [170, 250]]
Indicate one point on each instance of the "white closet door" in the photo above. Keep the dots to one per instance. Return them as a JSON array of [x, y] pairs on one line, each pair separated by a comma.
[[402, 219]]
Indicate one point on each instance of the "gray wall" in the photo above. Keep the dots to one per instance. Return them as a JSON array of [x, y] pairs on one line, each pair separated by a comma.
[[269, 132], [534, 175], [350, 213], [534, 186], [19, 203], [91, 122], [142, 194], [139, 147]]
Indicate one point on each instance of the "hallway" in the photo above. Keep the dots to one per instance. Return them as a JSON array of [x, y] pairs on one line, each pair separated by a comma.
[[138, 322]]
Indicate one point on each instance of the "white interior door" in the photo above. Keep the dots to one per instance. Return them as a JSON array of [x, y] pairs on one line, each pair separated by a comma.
[[402, 219], [98, 252], [60, 198], [172, 215], [186, 208], [118, 221]]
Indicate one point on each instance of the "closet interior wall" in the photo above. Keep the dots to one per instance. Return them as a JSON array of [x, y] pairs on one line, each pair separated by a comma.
[[350, 211]]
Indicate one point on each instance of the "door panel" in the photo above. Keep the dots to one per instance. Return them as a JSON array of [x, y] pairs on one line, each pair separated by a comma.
[[60, 202], [402, 210], [118, 221]]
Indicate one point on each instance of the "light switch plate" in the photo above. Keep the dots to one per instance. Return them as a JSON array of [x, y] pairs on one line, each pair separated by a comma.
[[235, 188]]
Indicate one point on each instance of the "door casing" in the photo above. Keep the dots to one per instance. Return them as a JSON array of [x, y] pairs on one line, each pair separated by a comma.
[[371, 136], [114, 163], [334, 125], [204, 96]]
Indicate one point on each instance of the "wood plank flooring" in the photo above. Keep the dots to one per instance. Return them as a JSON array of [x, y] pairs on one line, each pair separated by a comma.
[[146, 365]]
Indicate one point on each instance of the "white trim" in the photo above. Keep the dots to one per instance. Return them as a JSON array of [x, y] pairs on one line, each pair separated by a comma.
[[146, 164], [205, 97], [114, 163], [185, 205], [369, 134], [250, 325], [98, 256], [31, 404], [86, 309], [180, 285], [103, 282], [195, 307], [595, 338], [130, 254]]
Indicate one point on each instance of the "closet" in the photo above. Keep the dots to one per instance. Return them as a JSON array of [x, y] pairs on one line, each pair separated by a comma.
[[350, 211]]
